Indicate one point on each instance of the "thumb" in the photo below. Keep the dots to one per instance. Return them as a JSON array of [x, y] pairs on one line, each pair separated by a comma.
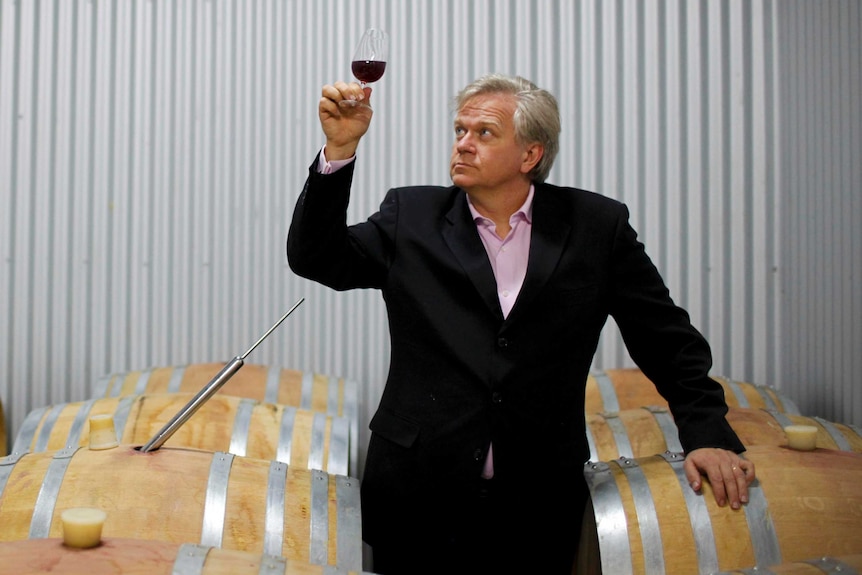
[[692, 474]]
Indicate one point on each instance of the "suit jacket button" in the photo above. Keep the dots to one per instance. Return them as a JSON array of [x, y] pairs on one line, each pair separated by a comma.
[[497, 397], [477, 455], [503, 342]]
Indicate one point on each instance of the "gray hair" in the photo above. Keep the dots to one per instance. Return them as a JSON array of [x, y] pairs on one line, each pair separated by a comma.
[[537, 116]]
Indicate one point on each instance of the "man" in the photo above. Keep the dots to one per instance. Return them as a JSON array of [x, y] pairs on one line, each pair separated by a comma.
[[496, 290]]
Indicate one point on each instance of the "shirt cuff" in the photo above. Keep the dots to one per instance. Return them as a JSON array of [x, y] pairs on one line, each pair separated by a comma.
[[326, 167]]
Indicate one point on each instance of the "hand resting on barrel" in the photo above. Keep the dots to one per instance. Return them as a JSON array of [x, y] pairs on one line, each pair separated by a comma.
[[727, 472]]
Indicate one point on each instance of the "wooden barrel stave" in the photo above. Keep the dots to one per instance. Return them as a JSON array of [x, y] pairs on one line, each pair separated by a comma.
[[628, 388], [240, 426], [183, 495], [333, 395], [268, 383], [645, 518], [145, 557], [651, 430]]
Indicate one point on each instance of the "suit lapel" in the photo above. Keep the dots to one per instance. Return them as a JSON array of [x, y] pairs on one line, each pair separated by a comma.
[[464, 241], [550, 232]]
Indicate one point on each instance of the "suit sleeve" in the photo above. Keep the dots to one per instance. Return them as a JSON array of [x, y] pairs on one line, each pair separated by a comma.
[[670, 351], [322, 247]]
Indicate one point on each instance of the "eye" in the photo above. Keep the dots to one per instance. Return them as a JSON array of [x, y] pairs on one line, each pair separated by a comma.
[[459, 131]]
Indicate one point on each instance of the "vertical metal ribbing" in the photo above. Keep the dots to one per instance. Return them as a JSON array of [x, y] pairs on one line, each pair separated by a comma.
[[318, 551], [216, 499], [348, 542], [285, 434], [176, 380], [273, 384], [653, 548], [190, 559], [606, 390], [273, 538], [332, 393], [241, 423], [307, 389], [43, 510], [24, 439], [698, 515], [350, 411], [611, 524]]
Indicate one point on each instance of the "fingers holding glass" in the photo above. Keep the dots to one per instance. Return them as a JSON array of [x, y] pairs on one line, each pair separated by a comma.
[[369, 61]]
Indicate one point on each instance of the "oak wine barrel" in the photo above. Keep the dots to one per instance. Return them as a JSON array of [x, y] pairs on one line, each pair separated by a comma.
[[145, 557], [846, 565], [333, 395], [644, 518], [183, 495], [241, 426], [612, 390], [651, 430]]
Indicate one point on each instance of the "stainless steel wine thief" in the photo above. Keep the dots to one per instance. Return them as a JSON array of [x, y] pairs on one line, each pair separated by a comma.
[[213, 386]]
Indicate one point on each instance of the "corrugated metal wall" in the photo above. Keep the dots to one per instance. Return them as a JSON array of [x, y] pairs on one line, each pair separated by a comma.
[[821, 195], [151, 153]]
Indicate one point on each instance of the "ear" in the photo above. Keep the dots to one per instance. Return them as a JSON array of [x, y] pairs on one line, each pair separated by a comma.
[[532, 154]]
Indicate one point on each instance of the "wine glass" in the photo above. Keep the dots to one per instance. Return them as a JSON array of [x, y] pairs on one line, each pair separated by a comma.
[[369, 59]]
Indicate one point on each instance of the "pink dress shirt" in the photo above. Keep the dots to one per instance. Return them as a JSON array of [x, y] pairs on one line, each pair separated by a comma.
[[508, 258]]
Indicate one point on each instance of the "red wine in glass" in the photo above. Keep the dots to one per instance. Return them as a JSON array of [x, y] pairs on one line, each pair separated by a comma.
[[367, 71], [369, 59]]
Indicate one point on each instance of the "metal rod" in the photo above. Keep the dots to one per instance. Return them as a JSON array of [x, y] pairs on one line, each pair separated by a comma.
[[204, 394], [272, 329]]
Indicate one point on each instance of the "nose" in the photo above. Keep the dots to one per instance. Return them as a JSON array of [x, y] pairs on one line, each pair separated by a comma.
[[464, 144]]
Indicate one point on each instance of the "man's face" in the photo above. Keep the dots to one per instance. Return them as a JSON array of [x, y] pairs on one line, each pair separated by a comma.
[[485, 154]]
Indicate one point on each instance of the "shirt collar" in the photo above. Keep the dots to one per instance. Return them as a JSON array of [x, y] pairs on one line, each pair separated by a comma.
[[525, 212]]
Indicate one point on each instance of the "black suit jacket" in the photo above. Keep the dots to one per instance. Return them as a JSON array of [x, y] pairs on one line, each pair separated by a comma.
[[460, 374]]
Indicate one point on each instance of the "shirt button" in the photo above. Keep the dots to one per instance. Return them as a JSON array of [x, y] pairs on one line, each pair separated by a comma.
[[505, 293]]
